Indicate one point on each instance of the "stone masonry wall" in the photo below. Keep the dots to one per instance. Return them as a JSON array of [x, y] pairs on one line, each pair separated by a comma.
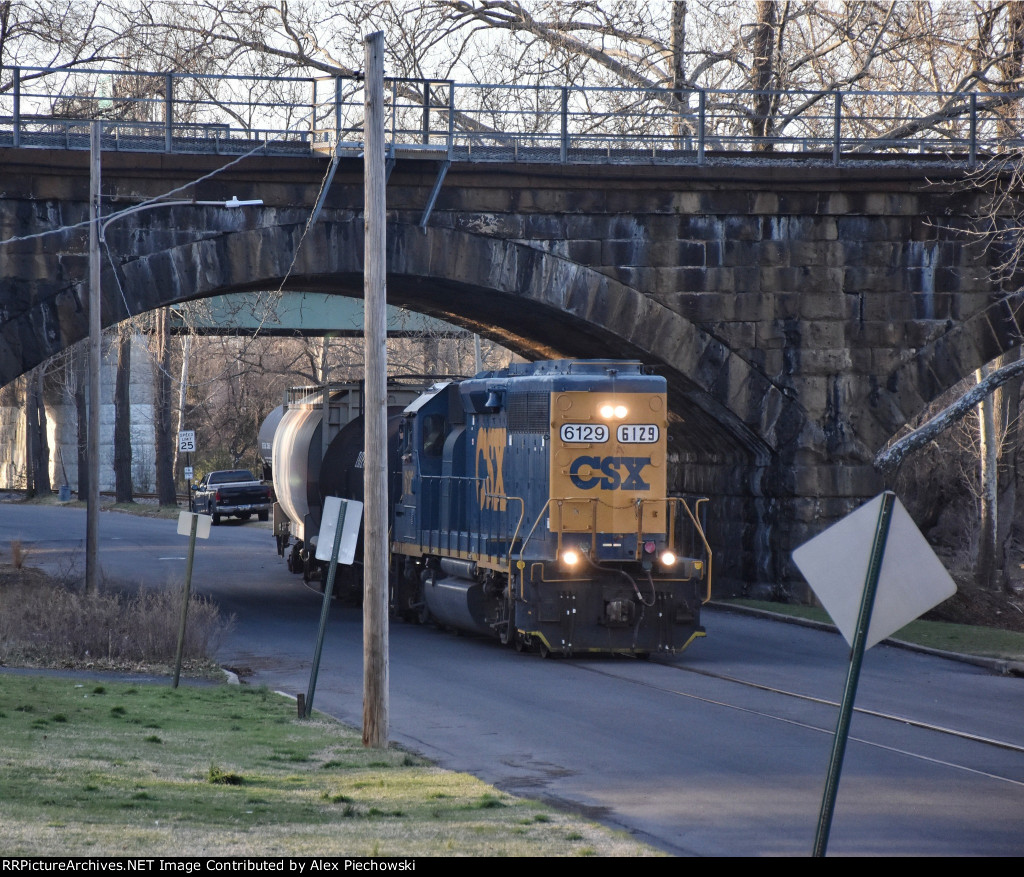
[[803, 314]]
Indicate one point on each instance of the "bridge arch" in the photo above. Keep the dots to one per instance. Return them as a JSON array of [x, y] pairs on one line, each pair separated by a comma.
[[728, 418], [944, 362], [803, 315], [536, 303]]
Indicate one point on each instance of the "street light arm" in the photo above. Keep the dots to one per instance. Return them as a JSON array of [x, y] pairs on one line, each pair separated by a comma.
[[232, 203]]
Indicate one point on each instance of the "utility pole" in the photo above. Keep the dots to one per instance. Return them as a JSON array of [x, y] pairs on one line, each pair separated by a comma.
[[92, 524], [375, 541]]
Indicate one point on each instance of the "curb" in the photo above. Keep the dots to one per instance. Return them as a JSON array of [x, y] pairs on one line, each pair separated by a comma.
[[999, 666]]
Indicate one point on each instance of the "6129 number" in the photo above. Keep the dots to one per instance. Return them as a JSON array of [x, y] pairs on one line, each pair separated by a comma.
[[584, 432]]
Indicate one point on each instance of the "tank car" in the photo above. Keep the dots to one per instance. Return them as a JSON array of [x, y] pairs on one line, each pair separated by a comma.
[[532, 507], [312, 447]]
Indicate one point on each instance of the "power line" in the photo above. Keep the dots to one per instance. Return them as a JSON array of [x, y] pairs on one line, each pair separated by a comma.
[[85, 222]]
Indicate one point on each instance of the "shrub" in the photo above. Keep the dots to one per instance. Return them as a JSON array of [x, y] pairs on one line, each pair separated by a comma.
[[52, 623]]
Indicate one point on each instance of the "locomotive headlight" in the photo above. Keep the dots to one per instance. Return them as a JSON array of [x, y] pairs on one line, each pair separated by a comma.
[[609, 411], [570, 557]]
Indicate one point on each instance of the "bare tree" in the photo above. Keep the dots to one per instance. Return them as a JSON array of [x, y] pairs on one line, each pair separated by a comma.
[[38, 451], [162, 426], [988, 476], [123, 417]]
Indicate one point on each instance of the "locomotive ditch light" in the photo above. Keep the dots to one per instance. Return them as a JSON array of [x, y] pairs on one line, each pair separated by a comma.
[[668, 558], [570, 557]]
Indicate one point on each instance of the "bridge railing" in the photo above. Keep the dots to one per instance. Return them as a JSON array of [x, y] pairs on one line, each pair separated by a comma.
[[176, 112]]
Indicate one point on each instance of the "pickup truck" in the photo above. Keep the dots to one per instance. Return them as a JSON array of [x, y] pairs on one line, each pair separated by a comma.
[[232, 492]]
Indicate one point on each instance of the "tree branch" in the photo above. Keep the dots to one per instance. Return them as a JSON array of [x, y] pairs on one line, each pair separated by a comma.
[[890, 458]]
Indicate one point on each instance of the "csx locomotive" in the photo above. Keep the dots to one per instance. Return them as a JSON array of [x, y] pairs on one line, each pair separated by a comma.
[[530, 504]]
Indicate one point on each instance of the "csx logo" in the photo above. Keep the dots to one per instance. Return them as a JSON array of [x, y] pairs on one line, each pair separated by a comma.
[[609, 473], [490, 459]]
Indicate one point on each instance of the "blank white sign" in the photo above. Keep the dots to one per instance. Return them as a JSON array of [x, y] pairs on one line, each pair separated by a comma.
[[185, 525], [912, 579], [349, 530]]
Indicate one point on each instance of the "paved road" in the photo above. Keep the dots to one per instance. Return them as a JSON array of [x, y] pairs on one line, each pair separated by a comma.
[[721, 753]]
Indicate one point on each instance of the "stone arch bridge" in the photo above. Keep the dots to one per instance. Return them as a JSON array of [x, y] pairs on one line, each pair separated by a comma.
[[802, 313]]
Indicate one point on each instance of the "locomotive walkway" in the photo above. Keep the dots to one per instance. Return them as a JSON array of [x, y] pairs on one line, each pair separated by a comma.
[[807, 283]]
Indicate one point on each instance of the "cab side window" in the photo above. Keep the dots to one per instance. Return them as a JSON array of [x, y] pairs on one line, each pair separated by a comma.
[[435, 428]]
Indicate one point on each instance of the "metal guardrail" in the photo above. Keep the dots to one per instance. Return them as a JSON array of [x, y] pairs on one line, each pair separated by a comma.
[[448, 121]]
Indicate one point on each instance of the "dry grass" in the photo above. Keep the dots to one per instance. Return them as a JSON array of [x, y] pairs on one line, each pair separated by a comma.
[[47, 622], [18, 554]]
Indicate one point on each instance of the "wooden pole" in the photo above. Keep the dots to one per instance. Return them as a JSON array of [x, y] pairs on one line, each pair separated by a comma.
[[92, 524], [375, 542]]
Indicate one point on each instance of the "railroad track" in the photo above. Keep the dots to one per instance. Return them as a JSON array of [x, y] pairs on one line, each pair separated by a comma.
[[902, 720]]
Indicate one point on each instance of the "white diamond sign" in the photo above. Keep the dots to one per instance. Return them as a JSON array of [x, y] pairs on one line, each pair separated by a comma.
[[912, 579]]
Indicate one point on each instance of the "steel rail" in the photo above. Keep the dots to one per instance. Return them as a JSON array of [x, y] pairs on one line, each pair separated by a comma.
[[770, 689]]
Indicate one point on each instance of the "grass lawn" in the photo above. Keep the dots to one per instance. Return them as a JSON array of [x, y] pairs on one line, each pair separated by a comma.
[[967, 639], [119, 769]]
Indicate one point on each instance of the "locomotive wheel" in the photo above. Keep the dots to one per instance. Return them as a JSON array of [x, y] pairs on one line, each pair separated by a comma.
[[542, 649]]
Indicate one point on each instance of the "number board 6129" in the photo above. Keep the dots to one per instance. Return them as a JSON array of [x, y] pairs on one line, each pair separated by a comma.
[[596, 433], [638, 433]]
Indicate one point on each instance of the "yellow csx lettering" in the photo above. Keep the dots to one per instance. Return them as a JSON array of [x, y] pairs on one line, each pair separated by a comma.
[[609, 473], [490, 457]]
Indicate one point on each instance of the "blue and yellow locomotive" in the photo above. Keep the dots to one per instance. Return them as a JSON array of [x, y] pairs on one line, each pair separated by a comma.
[[532, 506]]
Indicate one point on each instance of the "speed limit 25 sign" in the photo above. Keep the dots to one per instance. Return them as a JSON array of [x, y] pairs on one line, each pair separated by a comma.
[[187, 440]]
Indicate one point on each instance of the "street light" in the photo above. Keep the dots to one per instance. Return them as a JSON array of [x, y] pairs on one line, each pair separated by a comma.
[[96, 237], [230, 204]]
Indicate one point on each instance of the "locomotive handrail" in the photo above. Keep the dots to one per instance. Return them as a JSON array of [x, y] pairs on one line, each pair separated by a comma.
[[519, 523], [437, 482], [700, 532], [529, 536], [670, 500]]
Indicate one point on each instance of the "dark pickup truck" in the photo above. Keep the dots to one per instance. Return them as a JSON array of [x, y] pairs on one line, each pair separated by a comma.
[[232, 492]]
